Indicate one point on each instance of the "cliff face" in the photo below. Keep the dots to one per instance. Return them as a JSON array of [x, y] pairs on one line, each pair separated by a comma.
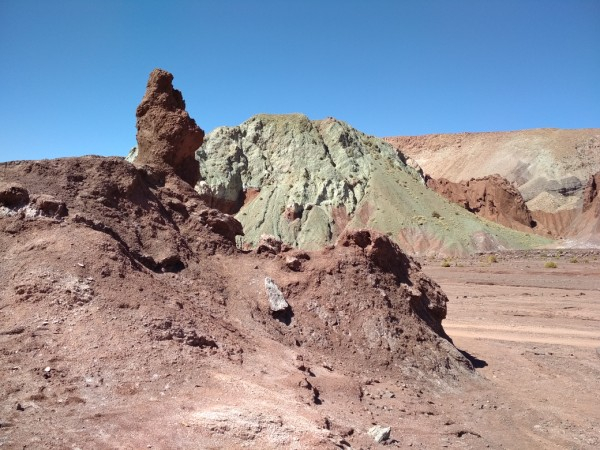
[[491, 197], [591, 198], [585, 229], [306, 181]]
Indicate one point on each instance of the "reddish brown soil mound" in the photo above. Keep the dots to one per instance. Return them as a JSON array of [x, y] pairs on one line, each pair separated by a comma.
[[120, 286], [492, 197]]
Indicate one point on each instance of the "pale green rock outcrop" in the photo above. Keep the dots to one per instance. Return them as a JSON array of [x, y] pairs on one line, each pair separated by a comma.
[[305, 181]]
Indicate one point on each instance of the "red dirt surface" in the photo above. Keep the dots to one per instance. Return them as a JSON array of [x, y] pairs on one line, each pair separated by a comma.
[[130, 319]]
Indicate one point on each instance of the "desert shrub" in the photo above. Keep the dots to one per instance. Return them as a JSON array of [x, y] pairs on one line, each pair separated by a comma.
[[435, 215], [492, 259], [550, 265], [574, 260], [446, 263]]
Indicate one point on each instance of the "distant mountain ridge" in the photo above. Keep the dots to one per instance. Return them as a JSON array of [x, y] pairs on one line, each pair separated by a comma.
[[551, 168]]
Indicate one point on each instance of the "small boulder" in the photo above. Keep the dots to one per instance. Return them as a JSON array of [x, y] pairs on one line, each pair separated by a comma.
[[224, 224], [276, 299], [50, 206], [13, 195], [293, 263], [379, 433], [269, 244]]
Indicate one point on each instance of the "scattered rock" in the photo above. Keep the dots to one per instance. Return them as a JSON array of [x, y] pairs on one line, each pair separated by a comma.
[[293, 263], [193, 340], [50, 206], [269, 244], [224, 224]]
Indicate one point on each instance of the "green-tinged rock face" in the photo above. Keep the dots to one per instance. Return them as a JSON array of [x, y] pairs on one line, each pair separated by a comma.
[[306, 181]]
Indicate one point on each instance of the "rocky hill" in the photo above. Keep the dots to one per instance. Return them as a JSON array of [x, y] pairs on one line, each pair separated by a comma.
[[307, 181], [129, 317]]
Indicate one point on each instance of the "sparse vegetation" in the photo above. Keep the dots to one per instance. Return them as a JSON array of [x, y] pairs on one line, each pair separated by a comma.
[[550, 265], [446, 262], [492, 259], [435, 215], [574, 260]]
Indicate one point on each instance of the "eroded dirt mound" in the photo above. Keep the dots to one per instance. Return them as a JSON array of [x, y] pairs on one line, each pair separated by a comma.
[[492, 197], [122, 291], [167, 136], [365, 300]]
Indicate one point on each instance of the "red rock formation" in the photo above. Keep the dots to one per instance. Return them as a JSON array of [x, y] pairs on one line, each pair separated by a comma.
[[428, 301], [491, 197], [167, 136]]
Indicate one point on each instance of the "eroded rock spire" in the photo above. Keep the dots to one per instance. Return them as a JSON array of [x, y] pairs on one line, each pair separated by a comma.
[[167, 136]]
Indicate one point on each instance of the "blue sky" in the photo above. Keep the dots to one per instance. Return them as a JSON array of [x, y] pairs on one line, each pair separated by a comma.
[[73, 71]]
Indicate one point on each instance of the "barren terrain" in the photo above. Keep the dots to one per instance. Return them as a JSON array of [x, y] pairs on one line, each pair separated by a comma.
[[129, 318], [530, 331], [536, 332]]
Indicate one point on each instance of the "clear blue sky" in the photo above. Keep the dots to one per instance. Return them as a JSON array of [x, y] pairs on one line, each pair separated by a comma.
[[73, 71]]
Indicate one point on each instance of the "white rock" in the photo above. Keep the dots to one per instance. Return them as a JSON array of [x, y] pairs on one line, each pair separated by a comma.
[[277, 301], [379, 433]]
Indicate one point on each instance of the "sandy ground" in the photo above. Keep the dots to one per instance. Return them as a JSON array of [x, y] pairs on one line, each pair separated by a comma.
[[536, 336]]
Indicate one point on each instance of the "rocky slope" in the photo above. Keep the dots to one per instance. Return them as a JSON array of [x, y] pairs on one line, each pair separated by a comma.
[[123, 291], [307, 181], [549, 166]]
